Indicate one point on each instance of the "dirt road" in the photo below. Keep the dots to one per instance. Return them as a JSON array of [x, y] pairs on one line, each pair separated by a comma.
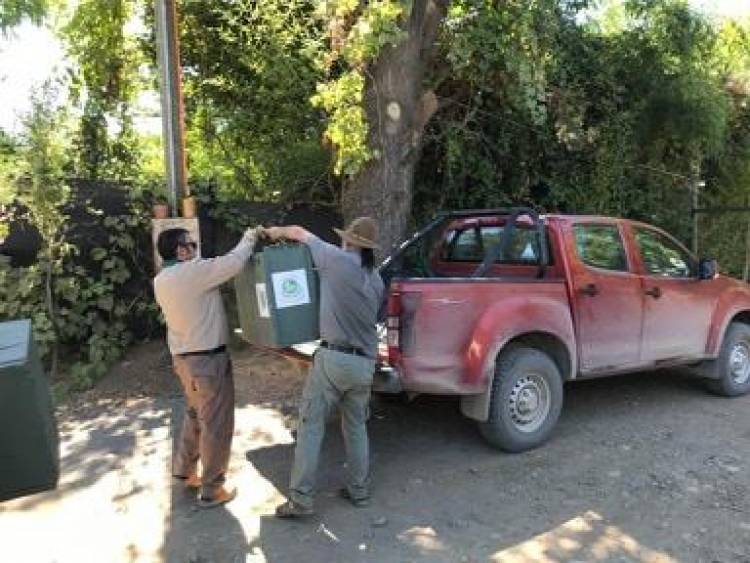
[[641, 468]]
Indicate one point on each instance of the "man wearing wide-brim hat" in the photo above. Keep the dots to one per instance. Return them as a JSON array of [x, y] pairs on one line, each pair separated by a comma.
[[351, 292]]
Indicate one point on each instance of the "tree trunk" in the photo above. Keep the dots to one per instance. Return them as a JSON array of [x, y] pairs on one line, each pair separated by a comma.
[[50, 303], [397, 110]]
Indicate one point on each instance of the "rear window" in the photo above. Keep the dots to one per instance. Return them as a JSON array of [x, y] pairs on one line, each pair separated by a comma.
[[471, 244]]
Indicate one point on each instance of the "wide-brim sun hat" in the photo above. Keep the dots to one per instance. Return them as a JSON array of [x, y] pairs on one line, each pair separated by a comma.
[[362, 232]]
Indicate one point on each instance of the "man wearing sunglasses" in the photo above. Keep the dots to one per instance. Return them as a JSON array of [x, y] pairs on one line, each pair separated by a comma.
[[187, 290]]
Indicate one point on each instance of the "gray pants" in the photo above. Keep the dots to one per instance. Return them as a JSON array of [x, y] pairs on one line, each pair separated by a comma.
[[208, 424], [335, 379]]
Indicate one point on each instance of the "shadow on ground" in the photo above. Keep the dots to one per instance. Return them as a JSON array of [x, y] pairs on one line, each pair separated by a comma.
[[97, 444], [198, 535], [646, 468], [605, 488]]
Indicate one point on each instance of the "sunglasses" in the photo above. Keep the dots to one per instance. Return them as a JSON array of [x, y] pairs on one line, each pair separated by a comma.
[[187, 244]]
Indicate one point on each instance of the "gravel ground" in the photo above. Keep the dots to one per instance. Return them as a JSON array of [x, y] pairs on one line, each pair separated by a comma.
[[647, 467]]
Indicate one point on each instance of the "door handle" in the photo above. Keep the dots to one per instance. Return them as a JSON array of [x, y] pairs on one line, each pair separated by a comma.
[[654, 292], [589, 289]]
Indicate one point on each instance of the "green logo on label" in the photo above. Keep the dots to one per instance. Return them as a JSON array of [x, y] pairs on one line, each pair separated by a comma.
[[290, 287]]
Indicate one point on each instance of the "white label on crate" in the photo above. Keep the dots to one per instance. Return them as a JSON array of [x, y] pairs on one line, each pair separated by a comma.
[[290, 288], [260, 291]]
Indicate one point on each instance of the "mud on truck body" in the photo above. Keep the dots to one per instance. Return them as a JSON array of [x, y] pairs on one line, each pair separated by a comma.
[[503, 306]]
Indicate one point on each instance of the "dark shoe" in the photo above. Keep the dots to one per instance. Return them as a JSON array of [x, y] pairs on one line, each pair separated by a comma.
[[361, 502], [291, 509], [222, 496]]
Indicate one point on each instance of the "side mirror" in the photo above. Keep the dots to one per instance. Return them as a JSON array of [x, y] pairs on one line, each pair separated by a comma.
[[707, 269]]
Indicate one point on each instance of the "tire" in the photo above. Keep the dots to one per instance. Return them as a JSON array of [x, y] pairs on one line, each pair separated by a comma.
[[732, 367], [529, 375]]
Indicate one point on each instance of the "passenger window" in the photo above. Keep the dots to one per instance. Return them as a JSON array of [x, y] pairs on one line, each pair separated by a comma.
[[601, 246], [663, 257]]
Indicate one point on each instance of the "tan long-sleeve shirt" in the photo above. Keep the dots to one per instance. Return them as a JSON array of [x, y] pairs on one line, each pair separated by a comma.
[[188, 294]]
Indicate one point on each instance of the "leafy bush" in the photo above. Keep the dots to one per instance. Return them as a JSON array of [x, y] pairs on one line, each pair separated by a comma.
[[82, 307], [81, 300]]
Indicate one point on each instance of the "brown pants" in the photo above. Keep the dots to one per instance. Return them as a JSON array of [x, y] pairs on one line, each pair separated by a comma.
[[208, 424]]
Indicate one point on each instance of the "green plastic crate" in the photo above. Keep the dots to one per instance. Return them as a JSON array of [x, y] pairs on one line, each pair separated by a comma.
[[29, 444], [278, 297]]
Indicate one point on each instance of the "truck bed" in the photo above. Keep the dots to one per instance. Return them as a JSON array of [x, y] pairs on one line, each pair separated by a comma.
[[448, 326]]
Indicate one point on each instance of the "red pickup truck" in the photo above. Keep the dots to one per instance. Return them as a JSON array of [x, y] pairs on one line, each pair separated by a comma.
[[501, 307]]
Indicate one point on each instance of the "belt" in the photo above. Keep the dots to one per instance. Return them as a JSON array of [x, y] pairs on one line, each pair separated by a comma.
[[217, 350], [344, 348]]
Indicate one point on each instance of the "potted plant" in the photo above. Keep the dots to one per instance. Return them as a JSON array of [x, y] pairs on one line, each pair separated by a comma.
[[189, 207]]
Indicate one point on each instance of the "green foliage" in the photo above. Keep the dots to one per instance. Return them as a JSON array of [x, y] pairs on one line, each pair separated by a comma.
[[336, 8], [82, 311], [611, 110], [347, 123], [376, 28], [612, 115], [504, 49], [9, 167], [357, 39], [77, 304], [490, 142], [45, 141], [13, 12], [104, 81], [219, 207], [250, 68]]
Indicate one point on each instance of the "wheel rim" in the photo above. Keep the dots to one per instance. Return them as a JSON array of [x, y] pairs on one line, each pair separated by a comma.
[[529, 402], [739, 363]]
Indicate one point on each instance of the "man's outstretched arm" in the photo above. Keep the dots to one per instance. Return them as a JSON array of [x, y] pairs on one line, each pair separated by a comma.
[[322, 252], [212, 272]]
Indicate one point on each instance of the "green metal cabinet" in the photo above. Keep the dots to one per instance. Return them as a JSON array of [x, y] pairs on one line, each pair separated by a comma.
[[277, 296], [29, 446]]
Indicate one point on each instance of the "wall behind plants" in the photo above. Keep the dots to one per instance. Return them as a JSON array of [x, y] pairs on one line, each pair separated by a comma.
[[88, 292]]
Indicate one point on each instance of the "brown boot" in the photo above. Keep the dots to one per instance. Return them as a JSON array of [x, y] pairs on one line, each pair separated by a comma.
[[221, 496], [192, 481]]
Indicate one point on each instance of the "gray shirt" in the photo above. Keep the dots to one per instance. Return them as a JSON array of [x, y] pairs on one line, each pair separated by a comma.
[[350, 297]]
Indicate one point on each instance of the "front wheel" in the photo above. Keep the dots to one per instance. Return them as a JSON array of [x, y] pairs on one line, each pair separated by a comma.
[[526, 400], [733, 364]]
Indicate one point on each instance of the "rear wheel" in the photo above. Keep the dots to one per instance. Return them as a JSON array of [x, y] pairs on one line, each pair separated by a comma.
[[526, 399], [733, 364]]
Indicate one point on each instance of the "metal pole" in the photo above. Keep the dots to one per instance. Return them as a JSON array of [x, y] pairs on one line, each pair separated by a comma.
[[694, 190], [173, 127], [694, 186]]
